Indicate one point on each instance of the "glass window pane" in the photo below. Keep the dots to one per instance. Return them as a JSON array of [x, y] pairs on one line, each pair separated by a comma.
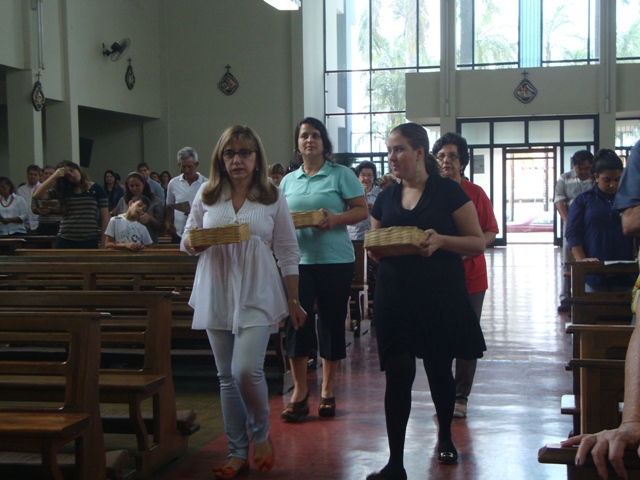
[[393, 33], [496, 31], [382, 124], [476, 133], [429, 33], [508, 132], [578, 130], [388, 90], [627, 132], [565, 30], [350, 133], [627, 31], [347, 92], [544, 131], [346, 34]]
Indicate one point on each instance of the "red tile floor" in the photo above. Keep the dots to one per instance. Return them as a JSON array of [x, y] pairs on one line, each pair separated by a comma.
[[514, 408]]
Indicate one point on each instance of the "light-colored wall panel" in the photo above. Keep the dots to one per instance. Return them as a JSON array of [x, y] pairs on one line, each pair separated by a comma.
[[255, 39], [12, 49], [628, 91]]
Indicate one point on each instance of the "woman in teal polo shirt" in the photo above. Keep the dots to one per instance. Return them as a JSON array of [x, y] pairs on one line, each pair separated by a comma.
[[326, 265]]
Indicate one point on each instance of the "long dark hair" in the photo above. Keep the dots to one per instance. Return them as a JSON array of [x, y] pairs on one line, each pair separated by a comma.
[[417, 137], [104, 178], [146, 190], [327, 146], [64, 188]]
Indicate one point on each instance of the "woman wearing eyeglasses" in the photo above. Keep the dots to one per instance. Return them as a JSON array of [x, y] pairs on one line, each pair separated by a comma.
[[237, 295], [326, 264], [452, 153]]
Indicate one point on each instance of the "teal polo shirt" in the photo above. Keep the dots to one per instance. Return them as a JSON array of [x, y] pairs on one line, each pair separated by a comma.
[[328, 189]]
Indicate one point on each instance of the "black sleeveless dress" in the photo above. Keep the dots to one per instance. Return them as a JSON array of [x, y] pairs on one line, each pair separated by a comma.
[[421, 303]]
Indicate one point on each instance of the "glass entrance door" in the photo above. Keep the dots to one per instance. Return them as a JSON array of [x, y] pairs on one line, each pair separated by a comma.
[[517, 161]]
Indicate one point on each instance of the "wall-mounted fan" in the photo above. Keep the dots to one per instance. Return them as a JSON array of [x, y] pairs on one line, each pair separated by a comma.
[[117, 49]]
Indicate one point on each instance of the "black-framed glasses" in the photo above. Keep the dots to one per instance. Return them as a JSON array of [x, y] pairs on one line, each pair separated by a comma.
[[453, 156], [243, 153]]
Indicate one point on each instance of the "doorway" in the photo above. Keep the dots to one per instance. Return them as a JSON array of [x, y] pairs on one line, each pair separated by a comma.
[[529, 194], [516, 160]]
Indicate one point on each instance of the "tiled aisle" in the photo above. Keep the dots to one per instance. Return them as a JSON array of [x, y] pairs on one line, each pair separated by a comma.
[[514, 408]]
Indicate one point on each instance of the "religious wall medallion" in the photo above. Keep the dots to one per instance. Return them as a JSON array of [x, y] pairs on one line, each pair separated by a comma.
[[37, 95], [525, 92], [129, 77], [229, 84]]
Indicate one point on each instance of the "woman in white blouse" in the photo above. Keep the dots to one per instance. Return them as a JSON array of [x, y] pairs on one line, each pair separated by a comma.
[[238, 295], [13, 210]]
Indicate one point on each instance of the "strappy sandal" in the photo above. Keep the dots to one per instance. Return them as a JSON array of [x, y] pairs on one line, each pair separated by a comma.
[[295, 411], [327, 407]]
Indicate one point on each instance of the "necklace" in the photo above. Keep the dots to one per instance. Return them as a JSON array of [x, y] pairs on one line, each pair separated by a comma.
[[5, 205]]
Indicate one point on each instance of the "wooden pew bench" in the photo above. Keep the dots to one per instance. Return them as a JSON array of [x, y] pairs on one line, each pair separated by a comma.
[[33, 422], [600, 307], [129, 387], [555, 454], [601, 351], [146, 273]]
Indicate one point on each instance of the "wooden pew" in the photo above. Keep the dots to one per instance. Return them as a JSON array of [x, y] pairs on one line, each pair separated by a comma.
[[131, 387], [601, 351], [555, 454], [45, 427], [600, 307], [593, 308], [121, 272]]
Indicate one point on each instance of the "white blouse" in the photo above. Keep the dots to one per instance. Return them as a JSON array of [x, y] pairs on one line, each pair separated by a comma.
[[10, 207], [238, 285]]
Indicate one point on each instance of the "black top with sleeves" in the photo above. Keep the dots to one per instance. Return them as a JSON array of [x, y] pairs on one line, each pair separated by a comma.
[[421, 303]]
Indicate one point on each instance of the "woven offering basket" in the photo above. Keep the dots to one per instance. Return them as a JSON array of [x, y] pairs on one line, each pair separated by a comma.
[[231, 233], [307, 219], [394, 241]]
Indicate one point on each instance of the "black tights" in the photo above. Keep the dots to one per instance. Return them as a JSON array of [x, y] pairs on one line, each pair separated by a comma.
[[400, 370]]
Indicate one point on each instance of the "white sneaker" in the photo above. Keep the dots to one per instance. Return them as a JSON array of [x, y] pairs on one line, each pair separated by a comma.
[[460, 410]]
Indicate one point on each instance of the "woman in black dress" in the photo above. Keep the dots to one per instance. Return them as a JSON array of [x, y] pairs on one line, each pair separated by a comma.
[[421, 305]]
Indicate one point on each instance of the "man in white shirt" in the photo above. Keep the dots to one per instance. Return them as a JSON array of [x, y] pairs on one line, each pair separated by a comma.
[[182, 188], [26, 191], [156, 188]]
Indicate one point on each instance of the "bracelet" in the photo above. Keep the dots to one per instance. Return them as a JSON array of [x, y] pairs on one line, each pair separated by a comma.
[[294, 301]]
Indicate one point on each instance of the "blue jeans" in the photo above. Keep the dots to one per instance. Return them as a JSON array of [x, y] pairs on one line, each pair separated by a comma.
[[243, 388]]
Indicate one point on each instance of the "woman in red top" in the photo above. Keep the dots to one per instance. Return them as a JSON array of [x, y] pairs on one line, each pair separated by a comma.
[[452, 153]]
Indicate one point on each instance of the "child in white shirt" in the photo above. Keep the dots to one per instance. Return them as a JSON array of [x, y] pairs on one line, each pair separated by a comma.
[[125, 232]]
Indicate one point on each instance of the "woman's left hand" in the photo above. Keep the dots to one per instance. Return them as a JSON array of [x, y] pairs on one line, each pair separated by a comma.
[[328, 222], [296, 314], [144, 218], [431, 244]]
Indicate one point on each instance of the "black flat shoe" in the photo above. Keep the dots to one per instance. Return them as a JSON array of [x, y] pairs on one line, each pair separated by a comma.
[[295, 411], [386, 474], [447, 453], [448, 458]]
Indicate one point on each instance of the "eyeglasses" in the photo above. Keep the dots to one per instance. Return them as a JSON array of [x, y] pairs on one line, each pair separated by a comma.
[[243, 153], [452, 156]]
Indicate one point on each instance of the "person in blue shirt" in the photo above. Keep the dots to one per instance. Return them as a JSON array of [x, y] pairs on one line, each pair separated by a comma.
[[594, 229], [326, 264]]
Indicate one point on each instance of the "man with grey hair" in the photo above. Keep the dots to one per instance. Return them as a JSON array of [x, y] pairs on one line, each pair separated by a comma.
[[180, 193]]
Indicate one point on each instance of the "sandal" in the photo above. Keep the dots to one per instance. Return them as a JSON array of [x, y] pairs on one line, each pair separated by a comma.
[[295, 411], [327, 407], [264, 464]]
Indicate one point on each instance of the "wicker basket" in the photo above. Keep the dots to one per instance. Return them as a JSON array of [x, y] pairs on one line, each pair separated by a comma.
[[394, 241], [307, 219], [231, 233]]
